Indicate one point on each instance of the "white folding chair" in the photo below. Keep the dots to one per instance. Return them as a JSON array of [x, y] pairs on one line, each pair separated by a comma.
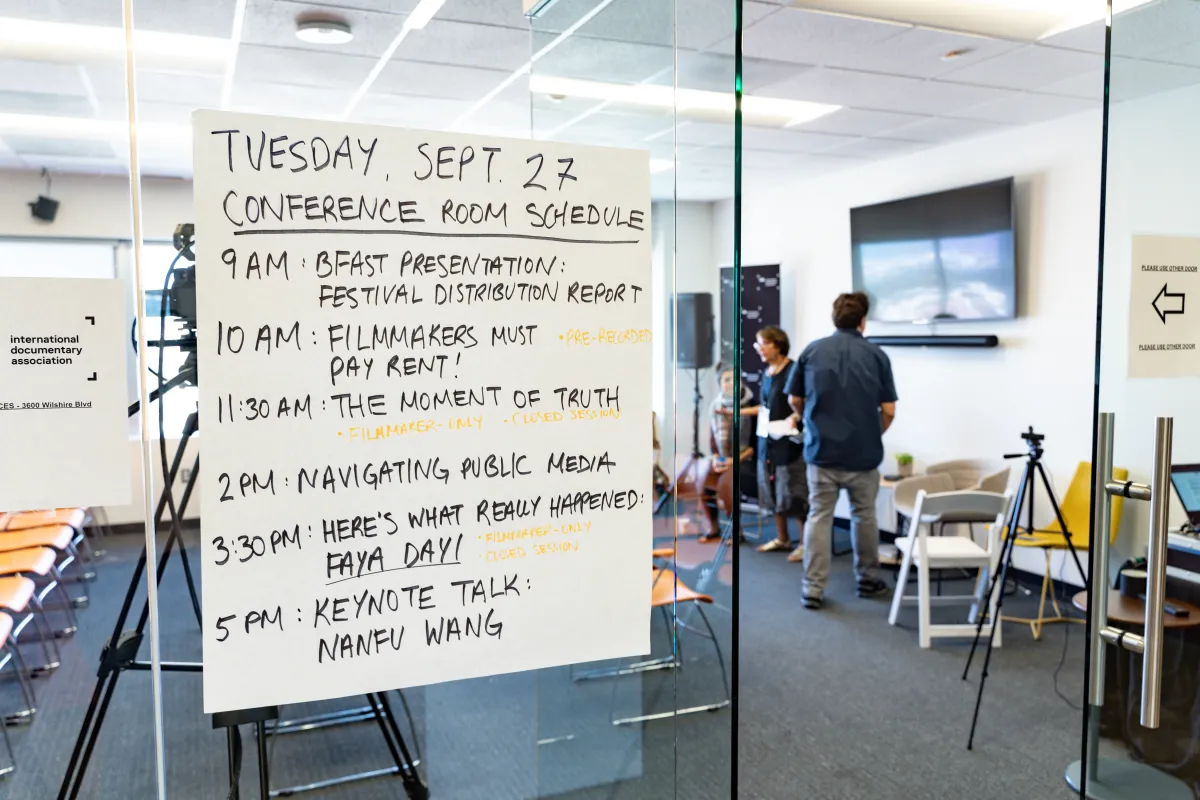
[[949, 552]]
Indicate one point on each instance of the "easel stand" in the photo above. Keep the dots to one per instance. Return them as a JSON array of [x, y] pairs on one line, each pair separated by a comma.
[[692, 468], [120, 654], [230, 720], [1024, 499]]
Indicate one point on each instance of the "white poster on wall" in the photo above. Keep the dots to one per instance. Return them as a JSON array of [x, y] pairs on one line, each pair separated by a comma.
[[1164, 307], [425, 406], [63, 403]]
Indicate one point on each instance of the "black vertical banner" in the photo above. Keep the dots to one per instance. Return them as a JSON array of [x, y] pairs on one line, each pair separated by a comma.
[[758, 307]]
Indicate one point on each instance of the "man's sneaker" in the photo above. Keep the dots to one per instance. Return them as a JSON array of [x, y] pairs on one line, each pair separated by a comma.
[[876, 588], [812, 603]]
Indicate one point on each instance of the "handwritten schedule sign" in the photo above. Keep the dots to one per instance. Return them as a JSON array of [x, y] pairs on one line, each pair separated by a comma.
[[425, 406]]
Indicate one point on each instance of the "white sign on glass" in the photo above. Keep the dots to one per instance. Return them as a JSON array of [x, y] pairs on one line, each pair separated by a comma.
[[1164, 307], [425, 405], [63, 393]]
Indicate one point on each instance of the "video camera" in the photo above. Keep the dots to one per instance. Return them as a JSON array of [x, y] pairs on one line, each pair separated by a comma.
[[1033, 441], [178, 301]]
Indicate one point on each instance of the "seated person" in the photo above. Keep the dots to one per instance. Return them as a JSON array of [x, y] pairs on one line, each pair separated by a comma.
[[723, 444]]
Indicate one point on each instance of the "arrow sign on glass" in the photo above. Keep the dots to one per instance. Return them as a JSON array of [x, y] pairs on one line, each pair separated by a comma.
[[1164, 303]]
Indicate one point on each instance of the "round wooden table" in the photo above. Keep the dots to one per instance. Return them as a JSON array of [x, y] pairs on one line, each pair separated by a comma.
[[1131, 611]]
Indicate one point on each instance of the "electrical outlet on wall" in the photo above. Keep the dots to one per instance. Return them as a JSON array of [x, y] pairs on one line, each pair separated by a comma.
[[185, 475]]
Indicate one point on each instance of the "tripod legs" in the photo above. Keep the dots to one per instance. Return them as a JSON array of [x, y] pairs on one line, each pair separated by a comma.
[[1024, 494], [122, 647]]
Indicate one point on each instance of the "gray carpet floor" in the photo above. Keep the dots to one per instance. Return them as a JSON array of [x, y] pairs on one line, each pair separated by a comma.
[[834, 704], [838, 705]]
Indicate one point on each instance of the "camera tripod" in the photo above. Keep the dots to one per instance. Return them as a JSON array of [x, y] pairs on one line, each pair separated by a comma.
[[1024, 499]]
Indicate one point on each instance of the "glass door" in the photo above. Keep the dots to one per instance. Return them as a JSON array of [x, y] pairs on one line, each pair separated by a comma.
[[1144, 596]]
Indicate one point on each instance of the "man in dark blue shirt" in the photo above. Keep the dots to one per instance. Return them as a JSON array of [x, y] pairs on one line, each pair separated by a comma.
[[842, 386]]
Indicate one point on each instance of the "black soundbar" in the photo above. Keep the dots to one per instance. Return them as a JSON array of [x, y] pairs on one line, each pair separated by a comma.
[[982, 340]]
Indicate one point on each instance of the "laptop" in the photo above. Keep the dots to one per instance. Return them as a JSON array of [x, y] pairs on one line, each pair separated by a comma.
[[1186, 480]]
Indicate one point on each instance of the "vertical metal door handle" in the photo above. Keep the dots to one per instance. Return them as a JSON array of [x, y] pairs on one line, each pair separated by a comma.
[[1102, 467], [1156, 572]]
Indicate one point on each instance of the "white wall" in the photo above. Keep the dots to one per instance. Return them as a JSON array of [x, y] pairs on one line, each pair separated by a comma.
[[92, 206], [684, 262], [98, 207], [963, 403]]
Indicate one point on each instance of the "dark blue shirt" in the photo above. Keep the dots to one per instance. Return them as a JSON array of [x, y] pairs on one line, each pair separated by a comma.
[[774, 403], [843, 379]]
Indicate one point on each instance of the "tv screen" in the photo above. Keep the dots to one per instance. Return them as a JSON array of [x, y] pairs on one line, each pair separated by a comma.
[[944, 257]]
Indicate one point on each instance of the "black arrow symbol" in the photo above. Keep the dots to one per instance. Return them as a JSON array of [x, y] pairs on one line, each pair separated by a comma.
[[91, 320], [1162, 313], [93, 377]]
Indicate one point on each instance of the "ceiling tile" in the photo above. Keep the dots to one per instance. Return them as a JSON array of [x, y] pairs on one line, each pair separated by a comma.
[[55, 105], [1026, 67], [46, 146], [1028, 108], [790, 140], [273, 23], [40, 76], [1086, 85], [1089, 38], [940, 130], [706, 133], [382, 6], [810, 37], [208, 18], [437, 80], [301, 67], [857, 122], [917, 52], [1154, 29], [467, 44], [872, 91], [422, 112], [876, 148], [620, 20], [486, 12], [198, 91], [703, 23], [584, 58], [288, 99], [713, 72]]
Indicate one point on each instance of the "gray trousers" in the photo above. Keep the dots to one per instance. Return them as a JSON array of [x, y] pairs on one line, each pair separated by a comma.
[[824, 485]]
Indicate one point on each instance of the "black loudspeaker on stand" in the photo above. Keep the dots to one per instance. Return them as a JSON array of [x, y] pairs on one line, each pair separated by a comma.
[[695, 332], [1023, 500]]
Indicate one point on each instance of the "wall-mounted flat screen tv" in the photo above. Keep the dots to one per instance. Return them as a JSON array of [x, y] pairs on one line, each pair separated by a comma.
[[943, 257]]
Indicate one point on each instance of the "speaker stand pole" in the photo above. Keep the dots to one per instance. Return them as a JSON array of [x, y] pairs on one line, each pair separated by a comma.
[[691, 469]]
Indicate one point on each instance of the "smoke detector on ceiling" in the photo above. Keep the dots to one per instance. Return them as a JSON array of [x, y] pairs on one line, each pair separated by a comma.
[[323, 30]]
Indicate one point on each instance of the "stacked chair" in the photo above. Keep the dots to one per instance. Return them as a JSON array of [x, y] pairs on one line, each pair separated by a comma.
[[42, 553]]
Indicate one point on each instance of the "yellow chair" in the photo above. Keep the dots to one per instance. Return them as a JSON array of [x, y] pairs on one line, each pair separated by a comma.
[[1076, 507]]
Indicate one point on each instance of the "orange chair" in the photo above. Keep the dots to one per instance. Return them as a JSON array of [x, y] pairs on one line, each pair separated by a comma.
[[1076, 510], [35, 563], [77, 518], [18, 596], [11, 656], [667, 591], [59, 537]]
